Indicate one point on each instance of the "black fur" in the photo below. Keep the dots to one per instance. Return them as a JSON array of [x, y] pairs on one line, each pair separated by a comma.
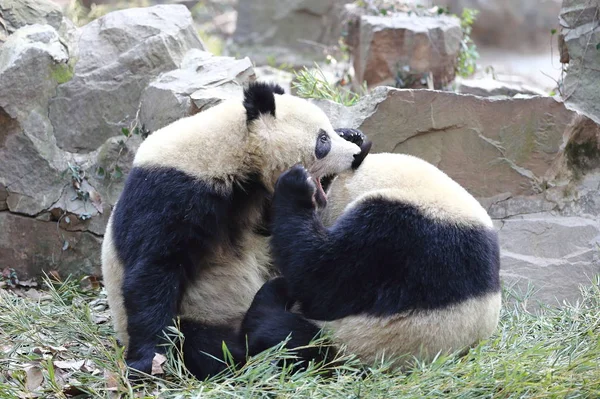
[[259, 98], [203, 348], [165, 225], [357, 137], [352, 135], [380, 259], [323, 145], [268, 322]]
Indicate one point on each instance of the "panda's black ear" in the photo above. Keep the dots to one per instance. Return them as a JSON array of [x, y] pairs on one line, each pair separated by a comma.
[[259, 98]]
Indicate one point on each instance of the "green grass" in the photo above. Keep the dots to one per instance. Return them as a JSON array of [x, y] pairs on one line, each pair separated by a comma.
[[551, 354], [313, 84]]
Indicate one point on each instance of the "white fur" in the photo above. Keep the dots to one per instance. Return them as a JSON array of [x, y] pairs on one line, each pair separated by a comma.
[[421, 334], [218, 145], [407, 179], [112, 274]]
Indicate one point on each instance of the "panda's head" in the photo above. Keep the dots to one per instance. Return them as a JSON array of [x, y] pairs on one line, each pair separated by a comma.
[[292, 130]]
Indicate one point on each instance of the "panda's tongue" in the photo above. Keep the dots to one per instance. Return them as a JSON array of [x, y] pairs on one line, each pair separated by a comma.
[[320, 196]]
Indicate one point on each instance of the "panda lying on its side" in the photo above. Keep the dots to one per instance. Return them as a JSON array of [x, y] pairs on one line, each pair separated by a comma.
[[187, 237], [408, 265]]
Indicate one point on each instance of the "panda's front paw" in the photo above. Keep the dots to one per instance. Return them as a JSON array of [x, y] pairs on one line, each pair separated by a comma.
[[295, 187]]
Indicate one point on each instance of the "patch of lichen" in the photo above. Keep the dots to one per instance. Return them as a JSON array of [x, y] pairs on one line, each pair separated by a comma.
[[583, 156], [63, 72]]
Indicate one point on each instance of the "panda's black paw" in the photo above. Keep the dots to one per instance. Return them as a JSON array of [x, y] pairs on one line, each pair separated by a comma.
[[143, 365], [295, 187], [352, 135]]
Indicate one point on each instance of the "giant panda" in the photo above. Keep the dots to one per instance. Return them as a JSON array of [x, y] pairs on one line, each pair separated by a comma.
[[402, 263], [188, 236]]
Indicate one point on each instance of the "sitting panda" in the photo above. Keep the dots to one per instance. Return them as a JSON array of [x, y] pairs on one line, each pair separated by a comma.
[[188, 235], [401, 262]]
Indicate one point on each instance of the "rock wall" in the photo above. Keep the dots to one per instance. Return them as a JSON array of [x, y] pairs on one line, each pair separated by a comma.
[[510, 24], [74, 106], [525, 159], [401, 49], [290, 32], [580, 50]]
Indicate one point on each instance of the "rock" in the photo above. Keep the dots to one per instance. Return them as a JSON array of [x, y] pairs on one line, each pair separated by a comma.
[[3, 197], [531, 162], [15, 14], [31, 246], [553, 253], [29, 59], [270, 74], [581, 32], [201, 82], [511, 24], [119, 54], [401, 50], [488, 87], [30, 161], [288, 24], [491, 146]]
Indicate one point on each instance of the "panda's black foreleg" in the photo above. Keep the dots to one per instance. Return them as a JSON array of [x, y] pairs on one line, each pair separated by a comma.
[[150, 295], [322, 267], [269, 322]]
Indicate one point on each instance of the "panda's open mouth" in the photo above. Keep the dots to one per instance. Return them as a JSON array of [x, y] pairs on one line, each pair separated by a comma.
[[322, 184]]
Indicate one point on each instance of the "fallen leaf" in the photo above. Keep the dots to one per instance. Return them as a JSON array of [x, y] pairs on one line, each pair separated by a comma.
[[54, 274], [37, 295], [69, 364], [96, 200], [92, 282], [72, 390], [55, 349], [27, 283], [99, 319], [157, 363], [112, 380], [34, 377]]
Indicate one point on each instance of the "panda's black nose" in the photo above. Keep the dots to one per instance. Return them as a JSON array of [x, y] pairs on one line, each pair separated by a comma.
[[365, 147]]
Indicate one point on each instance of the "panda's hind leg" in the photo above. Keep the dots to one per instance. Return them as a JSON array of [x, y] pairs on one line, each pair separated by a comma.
[[150, 295], [269, 322], [203, 351]]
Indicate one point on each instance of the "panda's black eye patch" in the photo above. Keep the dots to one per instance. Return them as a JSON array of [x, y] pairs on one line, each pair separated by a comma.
[[323, 144]]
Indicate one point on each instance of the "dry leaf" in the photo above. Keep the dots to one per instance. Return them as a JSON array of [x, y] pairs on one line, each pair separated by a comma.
[[157, 363], [96, 200], [54, 274], [69, 364], [34, 377], [99, 319], [27, 283], [72, 390], [112, 380]]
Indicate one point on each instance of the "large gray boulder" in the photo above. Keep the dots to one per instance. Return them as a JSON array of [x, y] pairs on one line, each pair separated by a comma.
[[490, 146], [553, 254], [581, 34], [201, 82], [15, 14], [531, 162], [118, 55], [287, 32], [30, 161], [288, 24], [63, 157]]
